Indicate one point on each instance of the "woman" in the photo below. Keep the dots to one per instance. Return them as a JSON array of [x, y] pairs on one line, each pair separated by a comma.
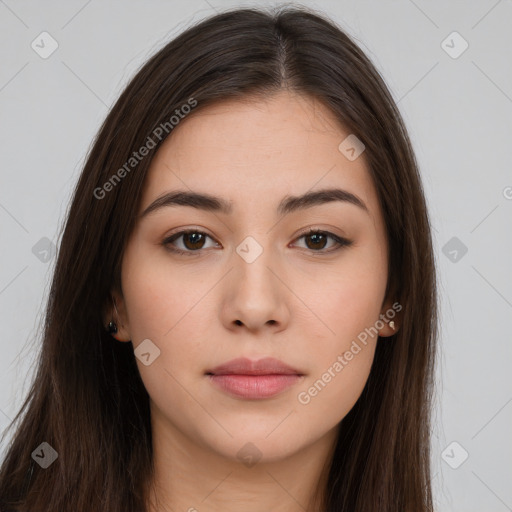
[[243, 312]]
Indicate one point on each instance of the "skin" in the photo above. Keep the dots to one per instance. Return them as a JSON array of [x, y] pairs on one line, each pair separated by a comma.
[[300, 306]]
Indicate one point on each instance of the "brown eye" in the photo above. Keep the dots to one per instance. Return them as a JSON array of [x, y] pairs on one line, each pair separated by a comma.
[[192, 241], [319, 239]]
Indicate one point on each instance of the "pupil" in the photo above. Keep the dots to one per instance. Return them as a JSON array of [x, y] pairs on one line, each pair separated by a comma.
[[316, 236], [192, 236]]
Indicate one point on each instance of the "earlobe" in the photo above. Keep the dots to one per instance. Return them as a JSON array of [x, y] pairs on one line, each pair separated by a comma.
[[389, 318], [388, 330], [114, 325]]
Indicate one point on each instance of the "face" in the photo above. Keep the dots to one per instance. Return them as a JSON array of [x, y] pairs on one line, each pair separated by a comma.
[[252, 282]]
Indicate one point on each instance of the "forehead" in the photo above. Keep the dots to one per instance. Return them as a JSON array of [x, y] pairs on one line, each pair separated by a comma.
[[256, 151]]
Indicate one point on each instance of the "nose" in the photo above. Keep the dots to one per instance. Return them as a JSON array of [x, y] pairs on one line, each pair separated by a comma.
[[256, 295]]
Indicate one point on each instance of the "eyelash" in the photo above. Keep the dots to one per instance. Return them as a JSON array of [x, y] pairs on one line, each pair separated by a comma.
[[342, 242]]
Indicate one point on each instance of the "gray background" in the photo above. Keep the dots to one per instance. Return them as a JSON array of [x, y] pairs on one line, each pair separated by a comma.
[[459, 114]]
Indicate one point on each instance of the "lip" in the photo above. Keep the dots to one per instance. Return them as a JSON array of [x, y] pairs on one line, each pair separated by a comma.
[[244, 366], [244, 378]]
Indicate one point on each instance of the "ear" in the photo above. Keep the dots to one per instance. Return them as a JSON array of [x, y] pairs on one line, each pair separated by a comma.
[[115, 311], [390, 312]]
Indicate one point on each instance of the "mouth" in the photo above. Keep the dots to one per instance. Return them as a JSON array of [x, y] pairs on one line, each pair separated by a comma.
[[253, 380]]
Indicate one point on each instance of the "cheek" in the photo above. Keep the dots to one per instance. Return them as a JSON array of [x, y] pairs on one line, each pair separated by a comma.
[[343, 300], [165, 306], [340, 337], [158, 295]]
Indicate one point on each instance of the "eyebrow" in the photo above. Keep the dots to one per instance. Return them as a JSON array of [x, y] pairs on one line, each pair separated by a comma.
[[289, 204]]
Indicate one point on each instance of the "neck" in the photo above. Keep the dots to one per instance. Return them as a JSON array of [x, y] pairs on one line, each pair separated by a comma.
[[193, 478]]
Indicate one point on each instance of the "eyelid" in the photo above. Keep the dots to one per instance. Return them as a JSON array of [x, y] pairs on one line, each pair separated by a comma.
[[178, 234], [340, 240]]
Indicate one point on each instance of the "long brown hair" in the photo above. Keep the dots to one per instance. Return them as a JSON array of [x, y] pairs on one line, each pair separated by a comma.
[[87, 400]]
